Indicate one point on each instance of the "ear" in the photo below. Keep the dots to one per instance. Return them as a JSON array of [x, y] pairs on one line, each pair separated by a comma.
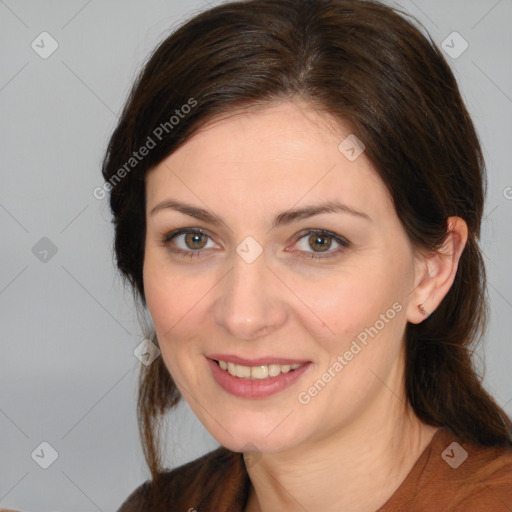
[[435, 273]]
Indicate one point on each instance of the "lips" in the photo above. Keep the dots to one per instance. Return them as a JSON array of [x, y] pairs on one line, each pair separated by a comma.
[[267, 360], [251, 385]]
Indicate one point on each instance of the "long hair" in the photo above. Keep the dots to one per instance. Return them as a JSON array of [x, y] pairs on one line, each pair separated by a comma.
[[372, 68]]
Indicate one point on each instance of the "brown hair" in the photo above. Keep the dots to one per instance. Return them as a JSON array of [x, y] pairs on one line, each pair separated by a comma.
[[371, 68]]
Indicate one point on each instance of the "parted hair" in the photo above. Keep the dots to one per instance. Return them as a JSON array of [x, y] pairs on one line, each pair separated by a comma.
[[375, 69]]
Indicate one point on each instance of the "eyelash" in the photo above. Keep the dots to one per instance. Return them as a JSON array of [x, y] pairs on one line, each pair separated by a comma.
[[167, 238]]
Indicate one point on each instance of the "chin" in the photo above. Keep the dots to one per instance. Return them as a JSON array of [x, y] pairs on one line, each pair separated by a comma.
[[252, 433]]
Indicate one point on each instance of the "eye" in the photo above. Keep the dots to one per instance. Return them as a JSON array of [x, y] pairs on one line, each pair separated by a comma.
[[187, 242], [191, 242], [321, 241]]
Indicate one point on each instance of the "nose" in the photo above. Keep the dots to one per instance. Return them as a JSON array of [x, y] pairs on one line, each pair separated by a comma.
[[249, 304]]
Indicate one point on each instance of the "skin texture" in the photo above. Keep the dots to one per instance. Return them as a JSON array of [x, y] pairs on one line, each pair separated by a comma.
[[354, 442]]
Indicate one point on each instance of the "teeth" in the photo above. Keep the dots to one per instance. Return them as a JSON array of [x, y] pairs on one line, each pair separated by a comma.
[[257, 372], [274, 370]]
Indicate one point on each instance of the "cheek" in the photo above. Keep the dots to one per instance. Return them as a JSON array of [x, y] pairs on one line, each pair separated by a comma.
[[363, 316], [172, 294], [170, 299], [170, 302], [343, 304], [162, 303]]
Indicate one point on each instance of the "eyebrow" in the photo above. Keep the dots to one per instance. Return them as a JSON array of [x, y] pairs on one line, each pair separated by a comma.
[[283, 218]]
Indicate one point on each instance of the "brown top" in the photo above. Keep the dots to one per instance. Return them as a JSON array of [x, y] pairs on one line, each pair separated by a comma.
[[449, 476]]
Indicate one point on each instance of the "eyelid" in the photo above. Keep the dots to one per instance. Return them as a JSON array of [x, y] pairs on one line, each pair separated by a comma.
[[184, 231], [169, 237], [343, 242]]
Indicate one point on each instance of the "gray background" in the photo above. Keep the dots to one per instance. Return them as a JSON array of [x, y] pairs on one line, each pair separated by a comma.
[[68, 373]]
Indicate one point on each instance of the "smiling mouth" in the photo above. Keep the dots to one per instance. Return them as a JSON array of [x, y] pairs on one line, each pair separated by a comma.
[[259, 372]]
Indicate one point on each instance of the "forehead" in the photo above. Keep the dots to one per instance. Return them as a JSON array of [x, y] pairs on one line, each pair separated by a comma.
[[269, 158], [284, 130]]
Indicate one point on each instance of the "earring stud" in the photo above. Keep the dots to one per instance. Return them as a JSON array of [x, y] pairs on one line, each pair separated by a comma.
[[423, 311]]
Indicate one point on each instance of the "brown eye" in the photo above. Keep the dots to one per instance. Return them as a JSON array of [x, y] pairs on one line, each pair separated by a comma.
[[188, 242], [195, 240], [320, 242]]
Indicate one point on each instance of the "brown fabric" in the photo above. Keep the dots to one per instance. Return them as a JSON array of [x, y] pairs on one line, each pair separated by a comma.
[[482, 483], [218, 482]]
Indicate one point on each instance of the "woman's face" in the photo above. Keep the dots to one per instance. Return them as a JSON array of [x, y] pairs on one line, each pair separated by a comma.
[[239, 274]]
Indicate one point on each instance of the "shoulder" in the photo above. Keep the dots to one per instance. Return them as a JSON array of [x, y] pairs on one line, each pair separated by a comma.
[[200, 481], [474, 477], [454, 475], [488, 479]]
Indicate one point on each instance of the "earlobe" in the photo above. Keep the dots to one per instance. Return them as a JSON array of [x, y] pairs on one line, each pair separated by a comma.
[[422, 310], [420, 306], [439, 271]]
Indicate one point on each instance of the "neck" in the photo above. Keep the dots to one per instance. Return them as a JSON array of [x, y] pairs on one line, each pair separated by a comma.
[[356, 470]]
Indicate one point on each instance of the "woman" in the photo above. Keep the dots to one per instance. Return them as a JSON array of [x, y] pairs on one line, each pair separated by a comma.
[[297, 191]]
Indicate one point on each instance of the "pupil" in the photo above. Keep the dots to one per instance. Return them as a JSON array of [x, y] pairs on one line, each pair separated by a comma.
[[321, 240], [193, 240]]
